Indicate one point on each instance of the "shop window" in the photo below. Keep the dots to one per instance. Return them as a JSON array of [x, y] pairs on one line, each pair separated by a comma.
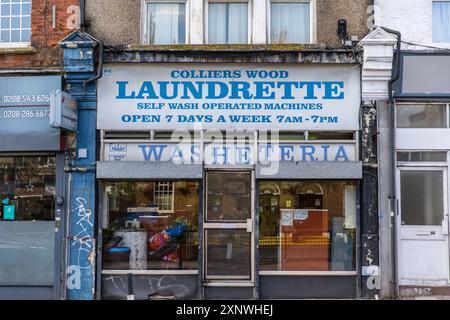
[[15, 23], [27, 188], [441, 21], [421, 116], [141, 233], [290, 21], [166, 22], [307, 225], [228, 22]]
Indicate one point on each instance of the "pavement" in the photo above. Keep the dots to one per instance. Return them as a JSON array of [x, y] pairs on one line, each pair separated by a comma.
[[426, 298]]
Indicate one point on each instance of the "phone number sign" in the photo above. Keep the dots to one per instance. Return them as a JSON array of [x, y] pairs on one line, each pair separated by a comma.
[[25, 103]]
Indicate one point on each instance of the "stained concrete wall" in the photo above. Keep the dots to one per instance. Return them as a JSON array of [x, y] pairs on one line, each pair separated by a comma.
[[413, 18], [114, 21], [118, 22]]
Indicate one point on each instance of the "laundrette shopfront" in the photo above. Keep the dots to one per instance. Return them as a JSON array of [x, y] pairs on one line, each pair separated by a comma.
[[228, 181], [31, 182]]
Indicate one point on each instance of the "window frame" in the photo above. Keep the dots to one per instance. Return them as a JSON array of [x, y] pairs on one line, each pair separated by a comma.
[[402, 103], [249, 19], [170, 184], [432, 21], [22, 44], [356, 256], [144, 21], [312, 19]]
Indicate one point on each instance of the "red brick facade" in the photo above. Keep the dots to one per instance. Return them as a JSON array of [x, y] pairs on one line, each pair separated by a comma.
[[44, 39]]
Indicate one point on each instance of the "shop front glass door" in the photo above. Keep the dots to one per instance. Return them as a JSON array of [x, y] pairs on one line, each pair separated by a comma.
[[423, 227], [27, 220], [228, 226]]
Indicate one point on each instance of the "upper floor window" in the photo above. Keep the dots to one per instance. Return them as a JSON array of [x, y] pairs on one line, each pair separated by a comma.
[[411, 115], [166, 22], [15, 22], [441, 21], [228, 22], [290, 21]]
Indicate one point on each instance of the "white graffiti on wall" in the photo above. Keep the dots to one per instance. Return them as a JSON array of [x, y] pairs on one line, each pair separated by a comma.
[[167, 286], [83, 239], [83, 242]]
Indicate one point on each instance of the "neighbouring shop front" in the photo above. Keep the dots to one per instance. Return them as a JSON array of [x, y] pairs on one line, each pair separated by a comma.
[[422, 157], [229, 181], [31, 188]]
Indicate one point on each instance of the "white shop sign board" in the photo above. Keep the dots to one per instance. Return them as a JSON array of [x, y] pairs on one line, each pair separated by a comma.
[[232, 154], [143, 97]]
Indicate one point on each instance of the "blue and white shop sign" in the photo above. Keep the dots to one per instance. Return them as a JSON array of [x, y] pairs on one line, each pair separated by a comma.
[[226, 97], [228, 154]]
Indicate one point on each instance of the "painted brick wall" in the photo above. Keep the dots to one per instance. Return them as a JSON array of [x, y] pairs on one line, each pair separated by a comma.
[[44, 39], [413, 18]]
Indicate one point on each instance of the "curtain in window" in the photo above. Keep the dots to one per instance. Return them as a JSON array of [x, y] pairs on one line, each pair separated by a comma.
[[166, 23], [441, 21], [290, 23], [228, 23]]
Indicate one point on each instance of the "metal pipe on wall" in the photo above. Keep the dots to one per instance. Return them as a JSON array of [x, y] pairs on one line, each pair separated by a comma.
[[82, 14], [393, 191]]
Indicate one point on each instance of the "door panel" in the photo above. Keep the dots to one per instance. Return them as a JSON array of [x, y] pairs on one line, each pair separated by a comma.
[[423, 226], [229, 196], [228, 226], [424, 262], [228, 253]]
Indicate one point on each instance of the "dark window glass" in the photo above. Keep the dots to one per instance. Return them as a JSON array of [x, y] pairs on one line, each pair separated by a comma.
[[422, 156], [422, 197], [307, 225], [27, 187]]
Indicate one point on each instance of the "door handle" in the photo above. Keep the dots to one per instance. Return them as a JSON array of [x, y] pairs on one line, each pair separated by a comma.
[[423, 233], [249, 225], [445, 226]]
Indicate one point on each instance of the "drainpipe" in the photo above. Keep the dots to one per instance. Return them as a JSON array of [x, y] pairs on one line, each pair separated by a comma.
[[99, 73], [82, 14], [100, 65], [393, 191]]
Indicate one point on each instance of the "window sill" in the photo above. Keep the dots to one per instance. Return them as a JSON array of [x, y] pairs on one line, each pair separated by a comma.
[[17, 50], [307, 273], [150, 272], [227, 47]]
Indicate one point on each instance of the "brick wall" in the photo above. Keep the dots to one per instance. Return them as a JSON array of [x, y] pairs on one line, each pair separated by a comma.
[[44, 39]]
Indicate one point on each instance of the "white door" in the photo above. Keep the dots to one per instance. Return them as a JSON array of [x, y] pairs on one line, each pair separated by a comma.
[[422, 224]]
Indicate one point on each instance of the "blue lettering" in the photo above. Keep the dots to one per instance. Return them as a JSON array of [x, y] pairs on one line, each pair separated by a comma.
[[341, 153], [122, 91], [148, 90], [310, 88], [332, 90], [309, 154], [263, 90], [155, 150], [286, 152]]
